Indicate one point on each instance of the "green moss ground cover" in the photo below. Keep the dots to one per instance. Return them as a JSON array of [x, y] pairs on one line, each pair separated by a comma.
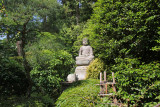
[[83, 94]]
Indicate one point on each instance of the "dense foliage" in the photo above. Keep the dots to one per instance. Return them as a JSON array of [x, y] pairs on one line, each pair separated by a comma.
[[124, 29], [69, 36], [138, 83], [51, 64], [94, 69], [77, 11], [120, 33], [12, 75], [36, 100]]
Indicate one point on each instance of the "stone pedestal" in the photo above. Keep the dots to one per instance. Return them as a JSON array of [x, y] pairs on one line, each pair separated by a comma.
[[81, 72]]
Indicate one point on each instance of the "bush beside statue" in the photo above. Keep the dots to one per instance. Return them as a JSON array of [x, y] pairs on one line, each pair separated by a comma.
[[94, 69]]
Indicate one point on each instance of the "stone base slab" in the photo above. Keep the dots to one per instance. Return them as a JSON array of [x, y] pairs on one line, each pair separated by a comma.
[[82, 62], [81, 72]]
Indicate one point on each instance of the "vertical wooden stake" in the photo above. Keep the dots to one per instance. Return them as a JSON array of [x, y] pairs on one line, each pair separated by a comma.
[[128, 103], [101, 84], [104, 76], [105, 81], [114, 88], [100, 77], [101, 87], [106, 88], [113, 77]]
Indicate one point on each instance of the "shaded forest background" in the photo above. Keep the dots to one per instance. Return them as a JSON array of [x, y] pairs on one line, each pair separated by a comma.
[[125, 36]]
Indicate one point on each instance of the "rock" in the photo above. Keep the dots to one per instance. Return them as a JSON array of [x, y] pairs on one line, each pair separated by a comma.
[[71, 78]]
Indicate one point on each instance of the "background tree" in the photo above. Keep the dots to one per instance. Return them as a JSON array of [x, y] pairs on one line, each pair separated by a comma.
[[24, 15], [78, 11], [1, 11], [50, 62]]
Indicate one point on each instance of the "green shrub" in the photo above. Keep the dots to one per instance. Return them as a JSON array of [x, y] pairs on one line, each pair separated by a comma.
[[47, 81], [48, 54], [36, 100], [95, 67], [82, 94], [138, 83], [50, 62], [50, 69], [12, 77]]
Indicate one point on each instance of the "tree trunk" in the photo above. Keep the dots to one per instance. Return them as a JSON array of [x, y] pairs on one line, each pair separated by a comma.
[[45, 23], [19, 48], [25, 63], [77, 12], [7, 37]]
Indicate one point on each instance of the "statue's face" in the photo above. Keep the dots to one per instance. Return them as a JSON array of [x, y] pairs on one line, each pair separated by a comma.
[[85, 43]]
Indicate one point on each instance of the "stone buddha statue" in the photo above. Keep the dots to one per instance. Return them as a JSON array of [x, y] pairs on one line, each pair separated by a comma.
[[82, 62], [85, 54]]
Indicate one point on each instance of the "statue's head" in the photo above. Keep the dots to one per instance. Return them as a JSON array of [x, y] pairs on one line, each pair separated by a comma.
[[85, 42]]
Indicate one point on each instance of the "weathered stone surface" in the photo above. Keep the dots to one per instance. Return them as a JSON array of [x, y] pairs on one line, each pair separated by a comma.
[[85, 53], [82, 62], [71, 78], [81, 72]]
